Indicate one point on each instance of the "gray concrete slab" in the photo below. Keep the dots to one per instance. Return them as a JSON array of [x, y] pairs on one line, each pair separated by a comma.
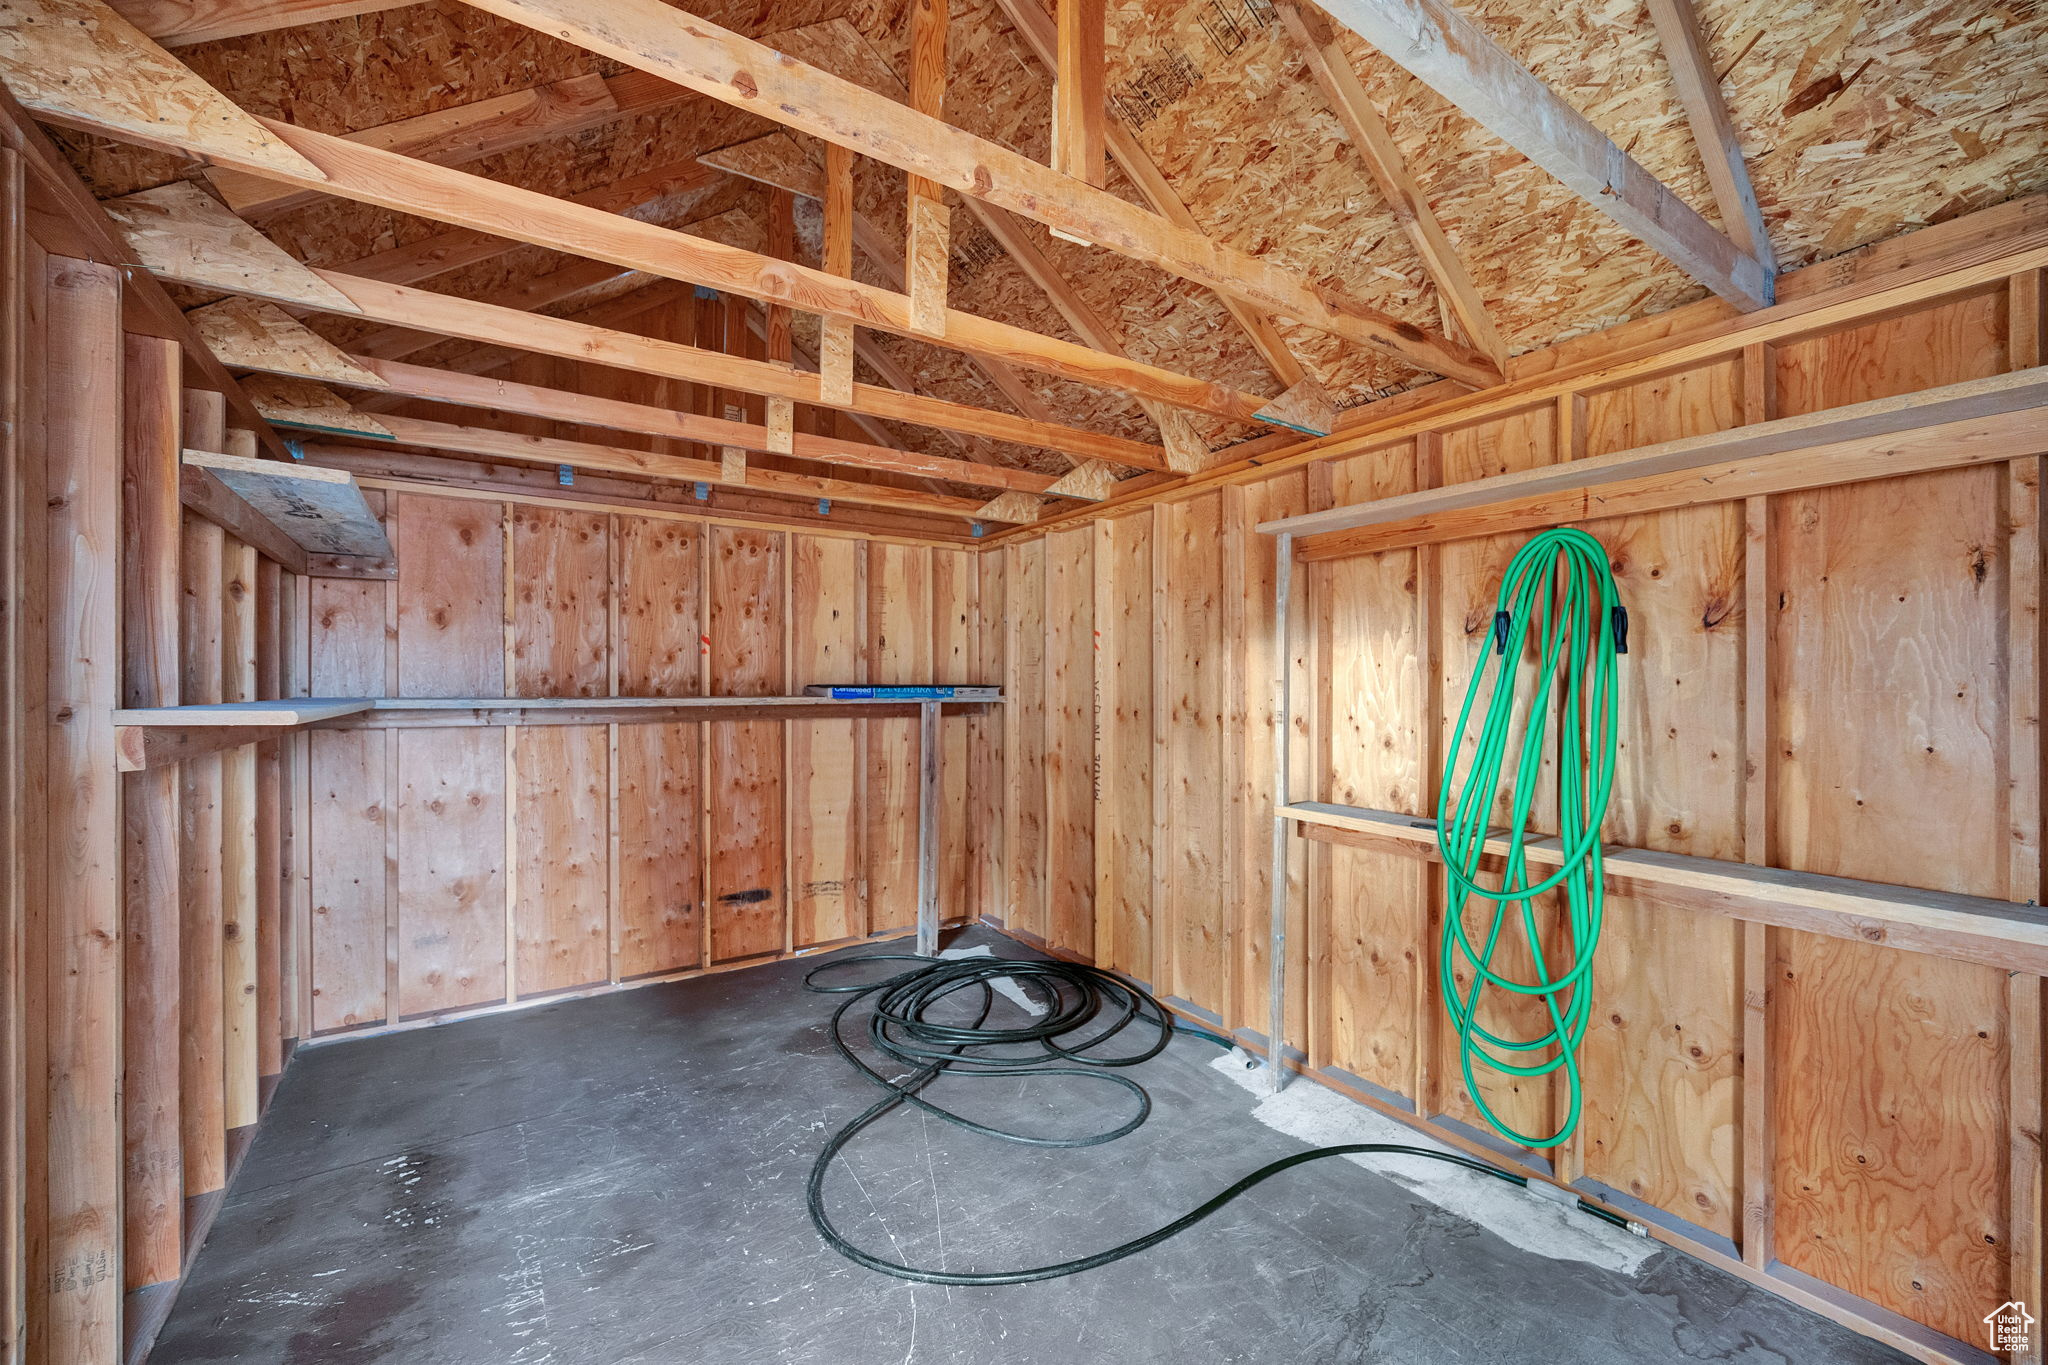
[[619, 1181]]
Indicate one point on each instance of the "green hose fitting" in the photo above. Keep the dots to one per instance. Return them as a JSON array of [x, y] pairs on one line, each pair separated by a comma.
[[1560, 585]]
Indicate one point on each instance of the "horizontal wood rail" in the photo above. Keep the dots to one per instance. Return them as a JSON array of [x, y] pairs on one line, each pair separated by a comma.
[[391, 713], [1992, 933], [1980, 420]]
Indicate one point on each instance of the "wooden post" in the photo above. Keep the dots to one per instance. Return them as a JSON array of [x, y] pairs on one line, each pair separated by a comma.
[[926, 258], [1276, 944], [835, 335], [153, 1191], [1079, 141], [82, 1310], [1758, 1157], [202, 1074], [930, 757], [239, 872]]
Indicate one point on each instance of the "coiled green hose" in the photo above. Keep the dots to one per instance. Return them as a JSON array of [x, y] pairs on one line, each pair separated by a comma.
[[1560, 585]]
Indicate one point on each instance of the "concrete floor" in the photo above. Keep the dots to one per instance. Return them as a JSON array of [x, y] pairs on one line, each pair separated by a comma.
[[619, 1181]]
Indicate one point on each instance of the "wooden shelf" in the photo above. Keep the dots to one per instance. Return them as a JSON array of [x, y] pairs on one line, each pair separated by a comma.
[[320, 510], [292, 711], [1981, 419], [392, 712], [1994, 933]]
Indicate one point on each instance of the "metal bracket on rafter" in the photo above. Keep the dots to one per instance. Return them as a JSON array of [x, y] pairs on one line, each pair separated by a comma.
[[824, 507], [565, 476], [703, 492], [294, 448]]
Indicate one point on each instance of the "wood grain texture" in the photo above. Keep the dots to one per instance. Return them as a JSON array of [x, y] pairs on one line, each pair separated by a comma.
[[899, 637], [561, 603], [202, 1066], [828, 643], [560, 911], [450, 625], [450, 869], [1069, 741], [1123, 834], [747, 894]]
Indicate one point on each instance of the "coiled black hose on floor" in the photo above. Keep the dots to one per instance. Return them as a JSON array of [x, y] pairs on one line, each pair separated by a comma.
[[1085, 1010]]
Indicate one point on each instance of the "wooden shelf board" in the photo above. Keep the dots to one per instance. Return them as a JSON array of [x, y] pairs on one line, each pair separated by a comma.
[[289, 712], [645, 703], [2019, 391], [321, 510], [1977, 929]]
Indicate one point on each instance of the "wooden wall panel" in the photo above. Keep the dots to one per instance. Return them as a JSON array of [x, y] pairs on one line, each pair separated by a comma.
[[202, 1060], [451, 602], [1469, 574], [953, 650], [1024, 829], [560, 578], [660, 809], [349, 902], [827, 643], [986, 729], [899, 651], [1663, 1053], [660, 595], [1194, 688], [1375, 979], [1070, 739], [562, 866], [450, 889], [1123, 605], [747, 894]]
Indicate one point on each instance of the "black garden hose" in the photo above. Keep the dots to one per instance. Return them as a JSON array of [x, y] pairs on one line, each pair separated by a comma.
[[1085, 1009]]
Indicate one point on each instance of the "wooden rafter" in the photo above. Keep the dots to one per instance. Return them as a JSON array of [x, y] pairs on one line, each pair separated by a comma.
[[180, 23], [429, 435], [1699, 91], [836, 335], [1036, 28], [749, 75], [220, 265], [1341, 87], [459, 247], [578, 280], [1452, 55], [401, 183]]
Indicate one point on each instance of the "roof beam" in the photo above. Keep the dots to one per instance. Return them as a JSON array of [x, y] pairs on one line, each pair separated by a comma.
[[1453, 56], [1037, 30], [1340, 85], [571, 283], [688, 50], [180, 23], [1699, 92], [220, 264], [69, 92], [927, 259], [415, 431], [459, 247]]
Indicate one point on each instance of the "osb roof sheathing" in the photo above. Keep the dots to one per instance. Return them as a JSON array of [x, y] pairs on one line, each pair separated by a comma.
[[1859, 118]]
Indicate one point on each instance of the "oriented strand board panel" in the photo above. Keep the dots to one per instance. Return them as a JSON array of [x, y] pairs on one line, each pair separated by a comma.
[[349, 915], [1663, 1053], [561, 603], [953, 661], [1024, 829], [1367, 614], [1070, 739], [1194, 690], [451, 869], [660, 872], [899, 651], [451, 612], [562, 879], [747, 894], [825, 593], [1124, 921]]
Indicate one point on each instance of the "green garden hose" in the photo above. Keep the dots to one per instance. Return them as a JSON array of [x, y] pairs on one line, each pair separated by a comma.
[[1559, 585]]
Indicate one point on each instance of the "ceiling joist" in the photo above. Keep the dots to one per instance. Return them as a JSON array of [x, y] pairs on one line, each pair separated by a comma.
[[210, 258], [46, 73], [690, 51], [180, 23], [1453, 56], [1699, 91]]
